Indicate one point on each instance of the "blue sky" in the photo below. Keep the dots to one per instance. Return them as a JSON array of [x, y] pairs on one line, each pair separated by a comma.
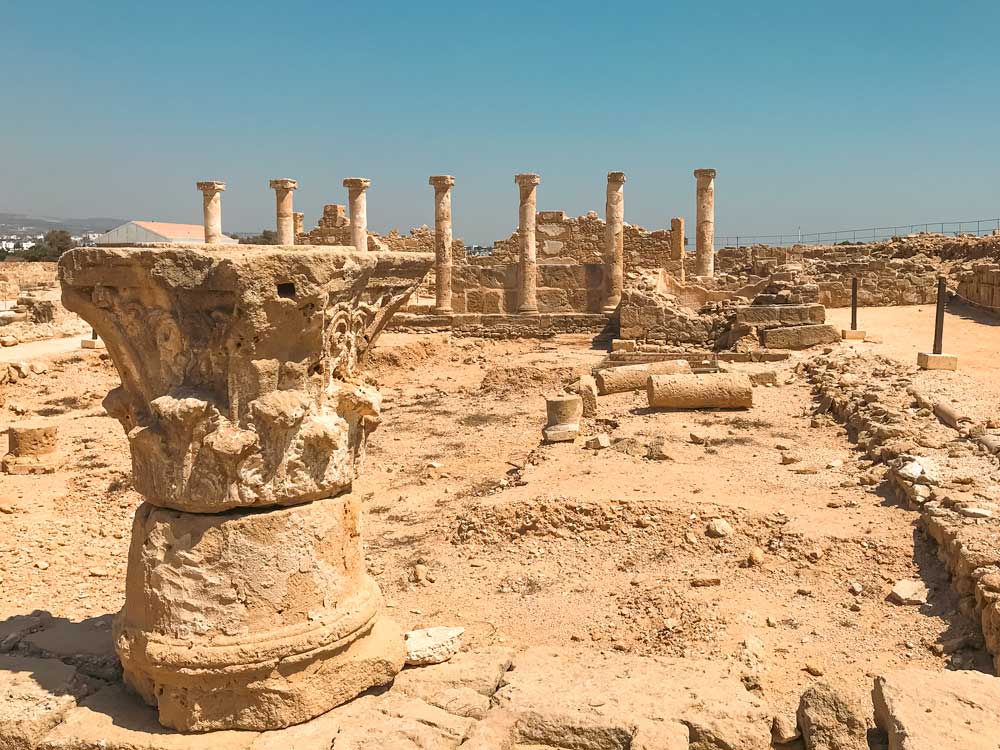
[[819, 115]]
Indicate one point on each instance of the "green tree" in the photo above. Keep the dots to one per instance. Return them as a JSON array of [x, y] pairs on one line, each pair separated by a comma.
[[56, 242], [266, 237]]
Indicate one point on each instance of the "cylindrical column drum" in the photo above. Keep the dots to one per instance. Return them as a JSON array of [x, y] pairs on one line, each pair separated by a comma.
[[722, 391]]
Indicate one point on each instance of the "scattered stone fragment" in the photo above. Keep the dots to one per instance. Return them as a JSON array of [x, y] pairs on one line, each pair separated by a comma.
[[756, 557], [856, 588], [830, 721], [907, 592], [657, 450], [718, 528], [432, 645], [599, 441], [706, 581], [784, 730]]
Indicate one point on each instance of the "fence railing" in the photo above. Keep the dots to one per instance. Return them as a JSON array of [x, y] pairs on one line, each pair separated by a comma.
[[977, 227]]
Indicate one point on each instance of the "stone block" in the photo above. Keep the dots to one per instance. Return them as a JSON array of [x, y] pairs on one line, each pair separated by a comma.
[[929, 361], [91, 343], [588, 393], [35, 695], [799, 337], [929, 710], [849, 335], [780, 315]]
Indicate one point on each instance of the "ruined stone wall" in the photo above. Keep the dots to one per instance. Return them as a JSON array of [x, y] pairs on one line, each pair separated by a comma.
[[28, 276], [981, 286]]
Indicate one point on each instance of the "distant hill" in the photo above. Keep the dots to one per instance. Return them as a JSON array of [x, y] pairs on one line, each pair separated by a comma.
[[11, 223]]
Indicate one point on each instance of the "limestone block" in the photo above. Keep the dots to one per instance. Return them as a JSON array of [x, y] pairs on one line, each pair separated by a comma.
[[252, 620], [588, 393], [634, 377], [721, 391], [238, 364], [432, 645], [849, 335], [928, 361], [928, 710], [35, 695], [780, 315], [799, 337], [91, 343]]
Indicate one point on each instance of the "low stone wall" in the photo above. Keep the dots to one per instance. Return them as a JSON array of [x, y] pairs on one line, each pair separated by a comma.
[[981, 287], [544, 325]]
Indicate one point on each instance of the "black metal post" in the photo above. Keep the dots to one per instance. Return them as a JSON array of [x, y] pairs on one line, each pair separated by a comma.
[[854, 303], [939, 317], [93, 334]]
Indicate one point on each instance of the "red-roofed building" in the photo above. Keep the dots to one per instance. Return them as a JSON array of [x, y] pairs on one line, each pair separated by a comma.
[[135, 232]]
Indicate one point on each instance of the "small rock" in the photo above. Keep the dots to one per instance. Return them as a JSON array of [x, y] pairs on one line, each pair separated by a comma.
[[909, 593], [432, 645], [814, 669], [856, 588], [599, 442], [718, 528], [698, 438], [98, 572], [756, 557], [835, 464], [784, 730], [41, 565], [788, 458], [976, 512], [706, 581]]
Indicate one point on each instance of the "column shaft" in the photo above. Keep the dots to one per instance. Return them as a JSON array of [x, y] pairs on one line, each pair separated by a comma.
[[614, 214], [285, 222], [526, 232], [358, 207], [705, 222], [677, 242], [211, 191], [442, 241]]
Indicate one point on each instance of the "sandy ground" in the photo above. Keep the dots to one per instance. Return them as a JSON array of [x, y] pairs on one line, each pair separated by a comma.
[[471, 521]]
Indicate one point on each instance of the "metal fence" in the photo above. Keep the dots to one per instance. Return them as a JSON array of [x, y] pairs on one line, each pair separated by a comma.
[[977, 227]]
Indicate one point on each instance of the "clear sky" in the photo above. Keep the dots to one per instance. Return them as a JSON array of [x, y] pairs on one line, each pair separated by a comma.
[[819, 115]]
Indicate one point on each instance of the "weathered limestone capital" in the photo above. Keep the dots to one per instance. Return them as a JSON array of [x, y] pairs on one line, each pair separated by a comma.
[[283, 183], [616, 177], [705, 174], [211, 186], [442, 183], [357, 183], [247, 603], [527, 179]]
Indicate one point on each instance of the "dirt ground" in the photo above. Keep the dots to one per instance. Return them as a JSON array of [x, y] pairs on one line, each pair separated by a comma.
[[471, 521]]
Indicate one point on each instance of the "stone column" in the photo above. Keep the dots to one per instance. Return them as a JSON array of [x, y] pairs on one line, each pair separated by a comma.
[[614, 238], [705, 222], [677, 243], [247, 601], [443, 184], [358, 207], [299, 222], [526, 232], [283, 188], [211, 190]]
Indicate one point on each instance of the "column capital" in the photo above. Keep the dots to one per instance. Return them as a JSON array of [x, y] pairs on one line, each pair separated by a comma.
[[441, 180], [357, 183], [283, 183], [211, 186], [616, 177], [527, 178], [705, 174]]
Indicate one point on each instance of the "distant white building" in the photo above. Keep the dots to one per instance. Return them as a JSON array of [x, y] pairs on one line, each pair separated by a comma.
[[156, 231]]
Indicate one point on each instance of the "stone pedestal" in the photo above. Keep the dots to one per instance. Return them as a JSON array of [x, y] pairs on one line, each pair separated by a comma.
[[211, 191], [285, 222], [91, 344], [563, 414], [247, 602], [928, 361], [442, 242], [848, 335], [527, 184], [614, 238], [705, 222], [32, 448], [357, 203]]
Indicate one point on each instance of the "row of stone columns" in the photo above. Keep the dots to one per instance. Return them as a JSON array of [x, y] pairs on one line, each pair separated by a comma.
[[289, 223]]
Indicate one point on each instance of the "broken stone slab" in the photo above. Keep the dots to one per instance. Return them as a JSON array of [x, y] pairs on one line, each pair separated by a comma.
[[432, 645], [13, 629], [567, 693], [35, 695], [721, 391], [799, 337], [87, 645], [634, 377], [115, 719], [906, 592], [463, 685], [922, 709]]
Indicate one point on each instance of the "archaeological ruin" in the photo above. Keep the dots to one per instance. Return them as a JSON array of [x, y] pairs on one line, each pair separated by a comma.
[[601, 488]]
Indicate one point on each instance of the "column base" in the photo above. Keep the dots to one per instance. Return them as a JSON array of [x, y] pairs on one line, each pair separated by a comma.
[[928, 361], [443, 311], [848, 335], [527, 311]]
